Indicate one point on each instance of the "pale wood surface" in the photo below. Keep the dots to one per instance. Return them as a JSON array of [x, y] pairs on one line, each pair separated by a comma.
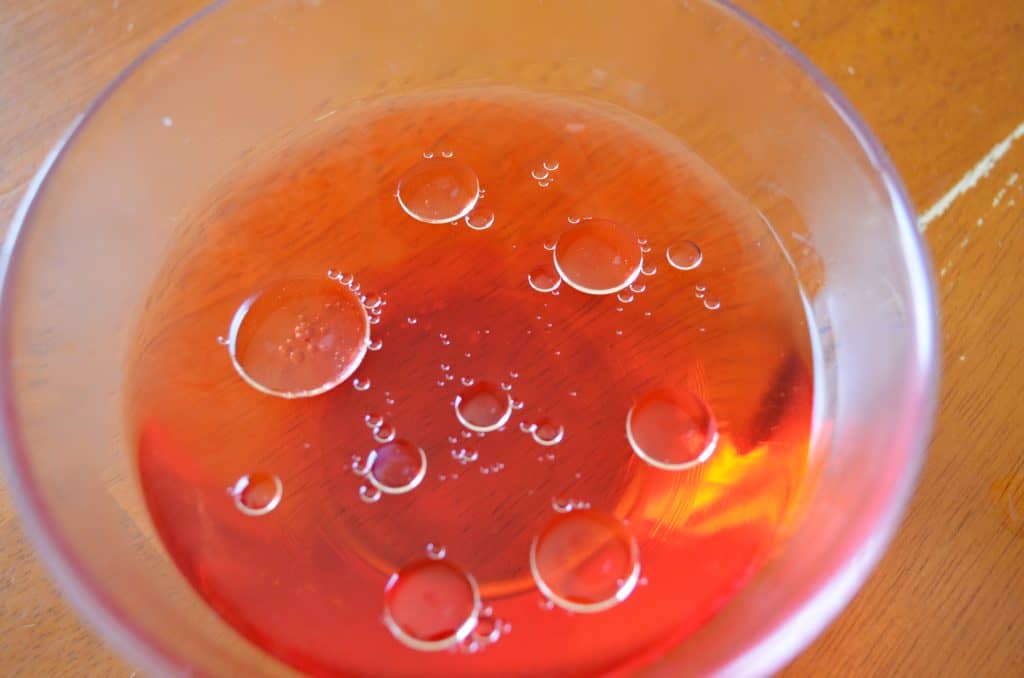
[[942, 84]]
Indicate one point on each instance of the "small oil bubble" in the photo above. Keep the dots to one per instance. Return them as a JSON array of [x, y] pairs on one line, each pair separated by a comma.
[[411, 320], [597, 257], [436, 551], [549, 245], [638, 287], [550, 165], [397, 467], [565, 505], [372, 300], [431, 605], [359, 465], [257, 494], [374, 345], [544, 184], [438, 190], [544, 278], [447, 154], [625, 297], [361, 384], [466, 381], [372, 420], [539, 174], [546, 432], [465, 455], [712, 303], [562, 505], [480, 219], [223, 341], [384, 433], [573, 219], [671, 430], [585, 561], [370, 495], [483, 407]]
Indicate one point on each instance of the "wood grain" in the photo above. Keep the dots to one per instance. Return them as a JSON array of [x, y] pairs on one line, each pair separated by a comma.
[[941, 83]]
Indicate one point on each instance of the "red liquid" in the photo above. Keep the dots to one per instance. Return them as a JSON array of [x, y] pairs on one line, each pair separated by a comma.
[[716, 359]]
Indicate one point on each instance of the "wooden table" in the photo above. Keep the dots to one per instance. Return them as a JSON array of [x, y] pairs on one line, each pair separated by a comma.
[[942, 84]]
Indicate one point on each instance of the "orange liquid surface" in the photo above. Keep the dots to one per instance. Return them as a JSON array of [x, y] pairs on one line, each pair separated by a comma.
[[334, 576]]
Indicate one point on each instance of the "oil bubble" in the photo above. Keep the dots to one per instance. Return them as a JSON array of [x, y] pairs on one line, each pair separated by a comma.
[[585, 561], [685, 255], [480, 219], [712, 303], [438, 190], [257, 494], [483, 407], [299, 338], [397, 467], [597, 256], [436, 551], [671, 430], [544, 278], [546, 432], [370, 495], [431, 605]]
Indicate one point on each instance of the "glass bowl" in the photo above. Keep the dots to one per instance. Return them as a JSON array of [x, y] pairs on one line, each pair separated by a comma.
[[104, 210]]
